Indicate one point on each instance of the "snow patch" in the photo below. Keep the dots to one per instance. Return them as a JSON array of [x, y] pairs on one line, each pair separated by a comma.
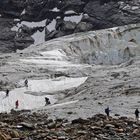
[[76, 19], [39, 37], [45, 62], [55, 9], [29, 24], [58, 84], [26, 101], [51, 26], [58, 53], [70, 12], [16, 19], [23, 12]]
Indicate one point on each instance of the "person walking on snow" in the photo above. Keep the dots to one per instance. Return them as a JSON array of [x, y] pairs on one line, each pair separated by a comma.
[[47, 101], [26, 83], [137, 114], [17, 104], [7, 92]]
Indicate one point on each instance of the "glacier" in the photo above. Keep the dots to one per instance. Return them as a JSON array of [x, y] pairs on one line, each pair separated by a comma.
[[77, 72]]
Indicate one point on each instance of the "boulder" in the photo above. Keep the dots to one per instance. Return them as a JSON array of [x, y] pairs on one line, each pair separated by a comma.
[[136, 132], [4, 136], [68, 26], [14, 134], [83, 26], [108, 126], [51, 125], [27, 125]]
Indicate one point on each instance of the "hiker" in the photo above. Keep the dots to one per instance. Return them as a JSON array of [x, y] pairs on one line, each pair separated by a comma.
[[7, 92], [26, 83], [47, 101], [137, 114], [17, 104], [107, 111]]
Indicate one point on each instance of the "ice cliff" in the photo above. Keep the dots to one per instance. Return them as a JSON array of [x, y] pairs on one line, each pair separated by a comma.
[[110, 46]]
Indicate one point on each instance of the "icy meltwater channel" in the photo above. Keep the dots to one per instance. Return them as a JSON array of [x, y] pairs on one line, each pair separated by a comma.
[[34, 96]]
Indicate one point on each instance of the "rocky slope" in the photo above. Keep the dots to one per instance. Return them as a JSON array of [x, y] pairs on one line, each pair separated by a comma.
[[17, 126], [60, 18]]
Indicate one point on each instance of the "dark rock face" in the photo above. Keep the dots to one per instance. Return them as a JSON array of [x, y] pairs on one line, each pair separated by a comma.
[[12, 8], [112, 13], [9, 41], [95, 14], [6, 36]]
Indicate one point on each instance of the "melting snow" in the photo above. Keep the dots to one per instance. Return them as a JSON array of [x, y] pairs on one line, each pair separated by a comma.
[[51, 26]]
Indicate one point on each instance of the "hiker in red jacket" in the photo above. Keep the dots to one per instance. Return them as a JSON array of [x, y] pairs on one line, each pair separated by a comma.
[[17, 104]]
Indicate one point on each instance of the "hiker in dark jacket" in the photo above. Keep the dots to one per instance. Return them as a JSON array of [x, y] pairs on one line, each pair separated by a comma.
[[137, 114], [17, 104], [47, 101], [7, 92], [107, 111], [26, 83]]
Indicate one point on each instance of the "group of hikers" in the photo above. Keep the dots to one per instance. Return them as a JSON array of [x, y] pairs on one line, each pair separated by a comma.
[[47, 101], [107, 111], [16, 103]]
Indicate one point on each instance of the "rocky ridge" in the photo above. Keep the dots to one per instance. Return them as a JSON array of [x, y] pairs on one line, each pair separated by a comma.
[[66, 17]]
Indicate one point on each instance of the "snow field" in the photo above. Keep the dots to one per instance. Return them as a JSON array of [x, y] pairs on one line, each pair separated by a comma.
[[31, 97]]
